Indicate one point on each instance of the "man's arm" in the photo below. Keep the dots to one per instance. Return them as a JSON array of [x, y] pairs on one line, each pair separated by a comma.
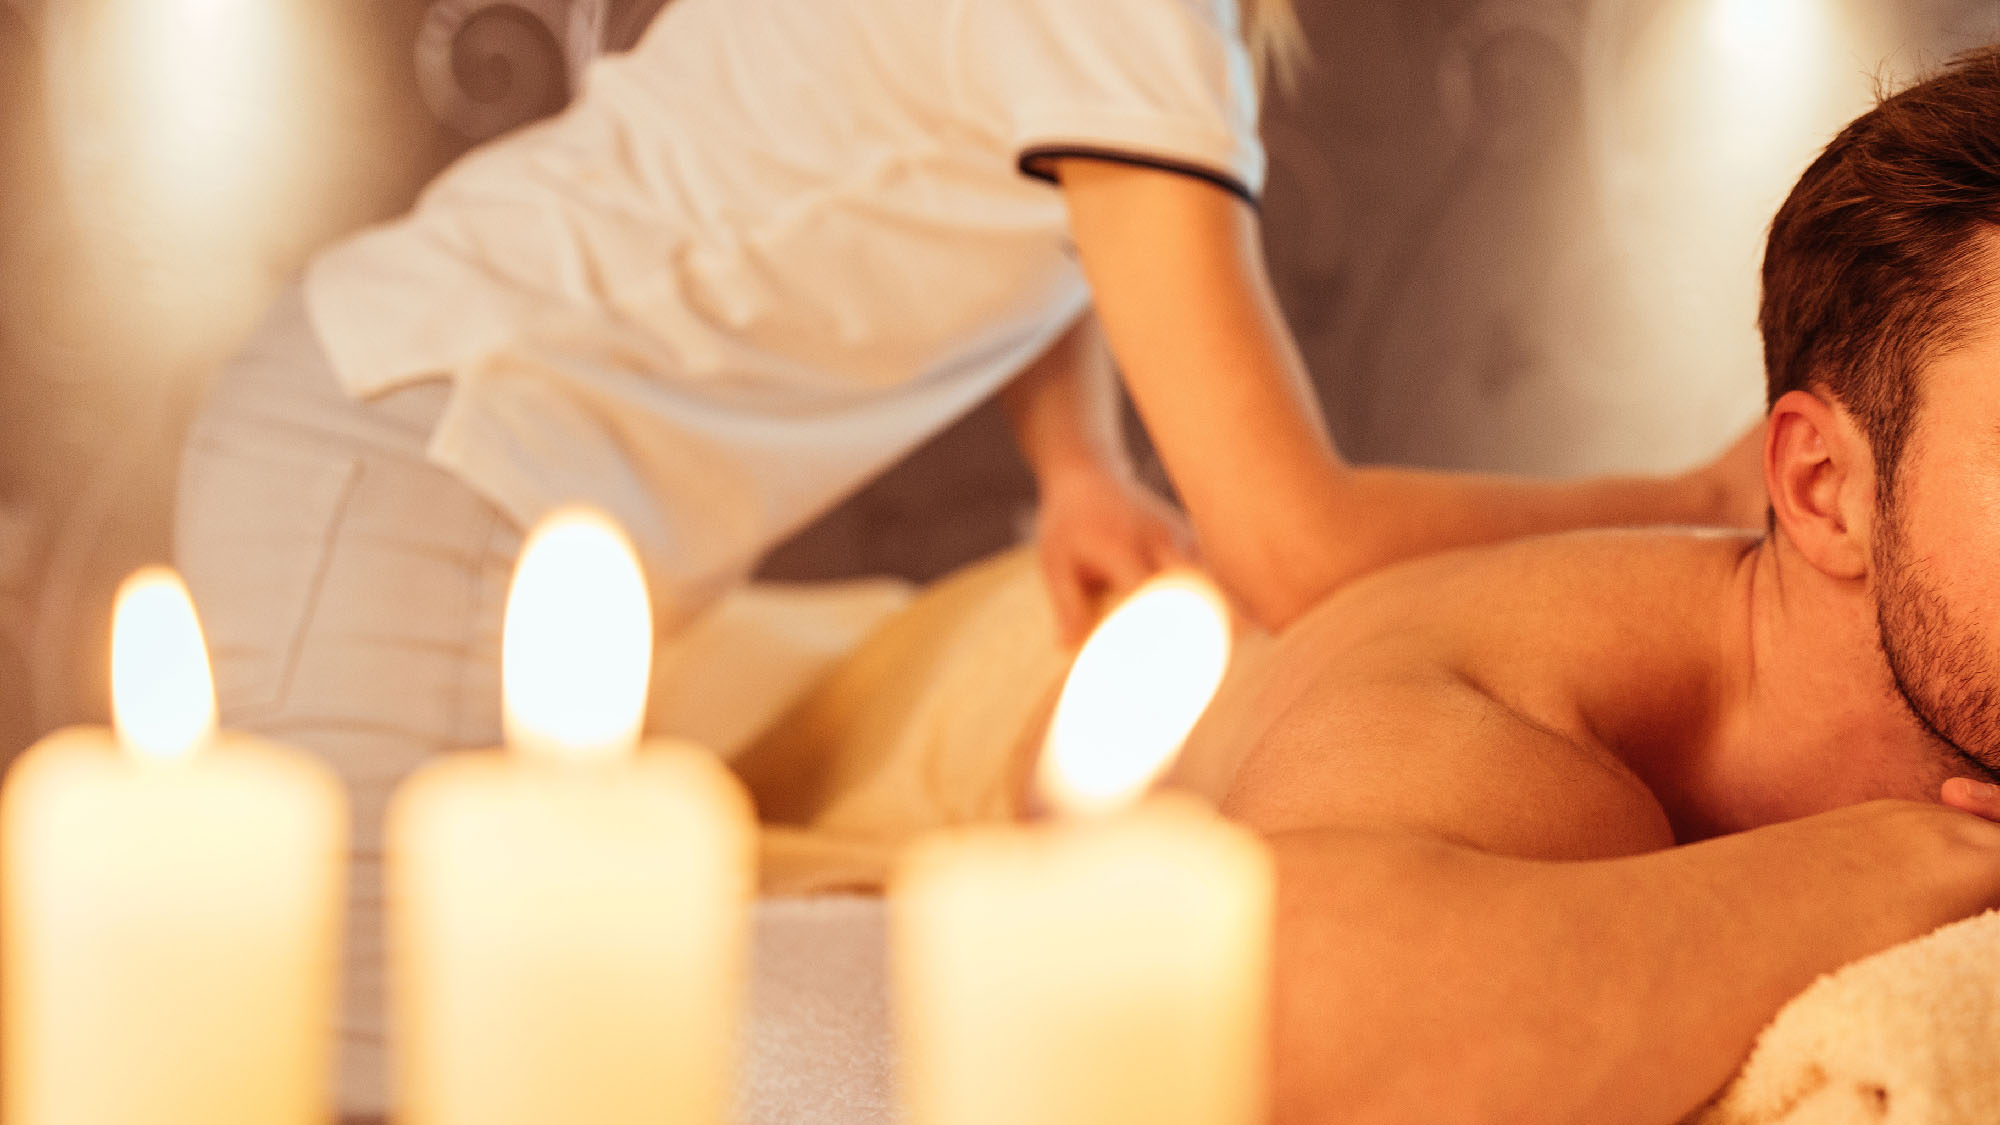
[[1178, 275], [1423, 981], [1101, 532], [1481, 919]]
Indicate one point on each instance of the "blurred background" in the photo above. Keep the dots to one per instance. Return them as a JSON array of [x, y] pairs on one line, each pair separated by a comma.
[[1511, 234]]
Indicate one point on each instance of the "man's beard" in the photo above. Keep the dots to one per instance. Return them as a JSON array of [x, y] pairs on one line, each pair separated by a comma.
[[1941, 665]]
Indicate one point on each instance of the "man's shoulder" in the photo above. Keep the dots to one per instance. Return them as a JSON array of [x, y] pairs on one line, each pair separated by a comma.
[[1530, 669], [1580, 630], [1571, 581], [1495, 695]]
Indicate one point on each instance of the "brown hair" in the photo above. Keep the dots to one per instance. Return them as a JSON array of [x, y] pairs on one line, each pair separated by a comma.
[[1875, 264]]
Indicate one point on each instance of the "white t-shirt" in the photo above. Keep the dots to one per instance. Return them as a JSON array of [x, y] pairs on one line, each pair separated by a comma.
[[770, 250]]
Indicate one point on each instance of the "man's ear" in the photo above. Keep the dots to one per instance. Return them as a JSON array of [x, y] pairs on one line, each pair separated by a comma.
[[1821, 476]]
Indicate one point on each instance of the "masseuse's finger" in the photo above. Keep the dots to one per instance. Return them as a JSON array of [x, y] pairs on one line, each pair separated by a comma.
[[1125, 570], [1981, 798], [1066, 590], [1169, 547]]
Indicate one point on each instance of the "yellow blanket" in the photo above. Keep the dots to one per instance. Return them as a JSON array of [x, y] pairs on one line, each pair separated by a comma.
[[931, 721], [936, 720]]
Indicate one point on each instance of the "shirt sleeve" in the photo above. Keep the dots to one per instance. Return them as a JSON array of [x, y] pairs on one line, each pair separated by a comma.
[[1164, 83]]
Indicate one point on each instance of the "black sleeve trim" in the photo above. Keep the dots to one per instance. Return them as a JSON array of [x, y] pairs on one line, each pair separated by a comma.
[[1036, 162]]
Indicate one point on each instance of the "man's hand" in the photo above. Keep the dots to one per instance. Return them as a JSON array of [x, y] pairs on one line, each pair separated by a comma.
[[1980, 798], [1479, 987], [1101, 534]]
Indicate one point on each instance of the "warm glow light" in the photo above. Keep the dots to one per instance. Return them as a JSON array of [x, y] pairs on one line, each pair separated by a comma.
[[198, 136], [1142, 679], [205, 75], [1758, 29], [577, 647], [162, 693], [1769, 62], [1701, 115]]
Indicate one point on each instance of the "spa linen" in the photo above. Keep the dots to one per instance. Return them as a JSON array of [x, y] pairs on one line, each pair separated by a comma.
[[771, 249], [1905, 1037]]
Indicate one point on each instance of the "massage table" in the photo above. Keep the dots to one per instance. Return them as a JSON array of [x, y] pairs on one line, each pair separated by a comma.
[[863, 714]]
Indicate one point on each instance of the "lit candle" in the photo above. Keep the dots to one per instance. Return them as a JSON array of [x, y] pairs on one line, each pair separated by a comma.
[[568, 916], [1112, 965], [170, 904]]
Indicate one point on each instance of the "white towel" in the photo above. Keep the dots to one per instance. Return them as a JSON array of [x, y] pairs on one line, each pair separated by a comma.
[[1909, 1036]]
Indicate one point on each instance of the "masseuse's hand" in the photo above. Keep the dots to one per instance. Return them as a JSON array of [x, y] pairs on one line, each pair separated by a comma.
[[1730, 489], [1101, 534]]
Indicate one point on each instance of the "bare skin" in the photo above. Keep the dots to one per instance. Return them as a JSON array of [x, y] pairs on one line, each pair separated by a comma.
[[1562, 823], [1177, 269]]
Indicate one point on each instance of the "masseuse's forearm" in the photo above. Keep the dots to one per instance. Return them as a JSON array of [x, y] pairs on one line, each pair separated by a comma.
[[1064, 408], [1285, 523], [1417, 511], [1178, 272], [1420, 981]]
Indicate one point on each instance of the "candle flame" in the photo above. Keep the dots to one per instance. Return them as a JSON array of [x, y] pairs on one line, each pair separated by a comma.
[[1137, 687], [577, 647], [162, 692]]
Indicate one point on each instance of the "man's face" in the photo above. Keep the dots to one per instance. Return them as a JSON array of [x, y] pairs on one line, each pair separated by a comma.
[[1937, 554]]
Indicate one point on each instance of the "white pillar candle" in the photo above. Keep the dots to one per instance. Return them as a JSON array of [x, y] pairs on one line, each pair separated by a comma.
[[569, 915], [1112, 965], [171, 904]]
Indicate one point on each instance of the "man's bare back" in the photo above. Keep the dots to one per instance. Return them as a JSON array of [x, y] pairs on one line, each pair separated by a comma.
[[1561, 823], [1603, 680]]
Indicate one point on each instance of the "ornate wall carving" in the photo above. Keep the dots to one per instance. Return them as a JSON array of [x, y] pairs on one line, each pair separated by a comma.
[[486, 67]]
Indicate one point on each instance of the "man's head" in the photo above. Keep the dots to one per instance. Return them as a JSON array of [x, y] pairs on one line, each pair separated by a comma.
[[1881, 321], [1877, 261]]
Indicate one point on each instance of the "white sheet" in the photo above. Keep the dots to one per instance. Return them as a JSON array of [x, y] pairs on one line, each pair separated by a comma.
[[818, 1044]]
